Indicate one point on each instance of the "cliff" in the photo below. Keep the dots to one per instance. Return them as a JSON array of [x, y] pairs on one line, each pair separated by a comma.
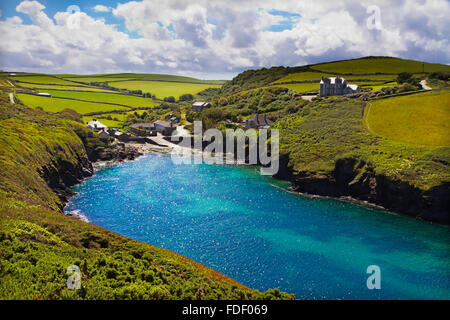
[[326, 150], [41, 156]]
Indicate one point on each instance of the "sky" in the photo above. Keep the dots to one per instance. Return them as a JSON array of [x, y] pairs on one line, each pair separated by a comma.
[[212, 39]]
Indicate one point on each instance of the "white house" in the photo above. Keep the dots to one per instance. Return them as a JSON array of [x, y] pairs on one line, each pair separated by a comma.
[[96, 125], [44, 94], [334, 86]]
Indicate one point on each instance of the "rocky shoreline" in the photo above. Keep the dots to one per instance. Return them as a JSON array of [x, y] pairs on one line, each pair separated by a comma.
[[358, 181], [350, 181]]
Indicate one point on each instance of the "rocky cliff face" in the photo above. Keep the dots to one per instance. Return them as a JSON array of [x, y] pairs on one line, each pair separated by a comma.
[[60, 175], [358, 180]]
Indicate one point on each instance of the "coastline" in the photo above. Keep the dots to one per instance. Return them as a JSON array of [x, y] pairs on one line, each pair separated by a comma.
[[139, 150]]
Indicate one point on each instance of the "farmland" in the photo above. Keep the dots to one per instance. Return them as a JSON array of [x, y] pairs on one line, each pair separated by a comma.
[[60, 87], [316, 76], [44, 79], [57, 105], [378, 65], [162, 89], [116, 98], [422, 119]]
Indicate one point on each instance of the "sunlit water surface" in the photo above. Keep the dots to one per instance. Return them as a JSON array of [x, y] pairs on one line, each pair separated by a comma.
[[251, 229]]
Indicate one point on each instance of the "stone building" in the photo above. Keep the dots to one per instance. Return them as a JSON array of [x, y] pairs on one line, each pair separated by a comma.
[[335, 86]]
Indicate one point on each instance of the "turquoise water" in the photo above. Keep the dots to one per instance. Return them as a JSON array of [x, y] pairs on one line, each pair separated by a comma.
[[247, 227]]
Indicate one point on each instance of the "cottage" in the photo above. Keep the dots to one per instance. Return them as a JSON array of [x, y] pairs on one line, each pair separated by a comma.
[[96, 125], [164, 127], [334, 86], [122, 136], [257, 122], [44, 94], [143, 129], [104, 135], [200, 105]]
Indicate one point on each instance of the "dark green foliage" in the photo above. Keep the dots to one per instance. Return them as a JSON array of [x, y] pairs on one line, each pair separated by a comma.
[[169, 99], [186, 97], [443, 75]]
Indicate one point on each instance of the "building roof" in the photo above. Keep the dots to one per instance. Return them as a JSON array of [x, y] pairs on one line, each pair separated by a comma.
[[200, 104], [162, 123], [95, 124], [353, 86], [44, 94]]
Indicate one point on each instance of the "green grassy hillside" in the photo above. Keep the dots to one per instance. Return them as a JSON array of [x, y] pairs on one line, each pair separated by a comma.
[[373, 65], [38, 242], [422, 119], [55, 104], [162, 89]]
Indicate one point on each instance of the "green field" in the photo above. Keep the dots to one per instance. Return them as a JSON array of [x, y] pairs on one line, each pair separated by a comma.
[[88, 80], [43, 79], [422, 119], [45, 87], [378, 65], [57, 105], [162, 89], [316, 76], [301, 87], [380, 86], [137, 76], [127, 100]]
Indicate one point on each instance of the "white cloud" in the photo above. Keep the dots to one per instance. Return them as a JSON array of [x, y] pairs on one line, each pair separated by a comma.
[[101, 8], [205, 37]]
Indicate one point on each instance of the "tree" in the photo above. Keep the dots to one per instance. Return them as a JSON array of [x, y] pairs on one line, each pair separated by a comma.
[[186, 97], [169, 99]]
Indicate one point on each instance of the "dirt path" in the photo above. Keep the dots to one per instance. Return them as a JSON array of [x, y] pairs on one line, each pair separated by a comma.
[[11, 98], [424, 85], [366, 118]]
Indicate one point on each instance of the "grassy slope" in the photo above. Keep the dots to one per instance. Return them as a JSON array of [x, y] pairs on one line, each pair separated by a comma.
[[38, 243], [322, 133], [378, 65], [415, 119], [57, 105], [162, 89], [127, 100]]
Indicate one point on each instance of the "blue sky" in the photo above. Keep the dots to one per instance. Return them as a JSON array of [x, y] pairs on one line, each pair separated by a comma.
[[215, 38]]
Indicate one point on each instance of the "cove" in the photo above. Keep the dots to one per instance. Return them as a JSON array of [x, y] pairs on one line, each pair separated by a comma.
[[251, 229]]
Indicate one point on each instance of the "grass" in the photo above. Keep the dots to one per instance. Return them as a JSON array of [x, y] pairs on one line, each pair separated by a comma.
[[38, 242], [321, 133], [316, 76], [45, 87], [300, 87], [138, 76], [95, 79], [162, 89], [42, 79], [378, 87], [378, 65], [422, 119], [131, 101], [57, 105]]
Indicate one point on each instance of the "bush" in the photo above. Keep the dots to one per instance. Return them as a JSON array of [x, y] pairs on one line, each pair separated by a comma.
[[169, 99]]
